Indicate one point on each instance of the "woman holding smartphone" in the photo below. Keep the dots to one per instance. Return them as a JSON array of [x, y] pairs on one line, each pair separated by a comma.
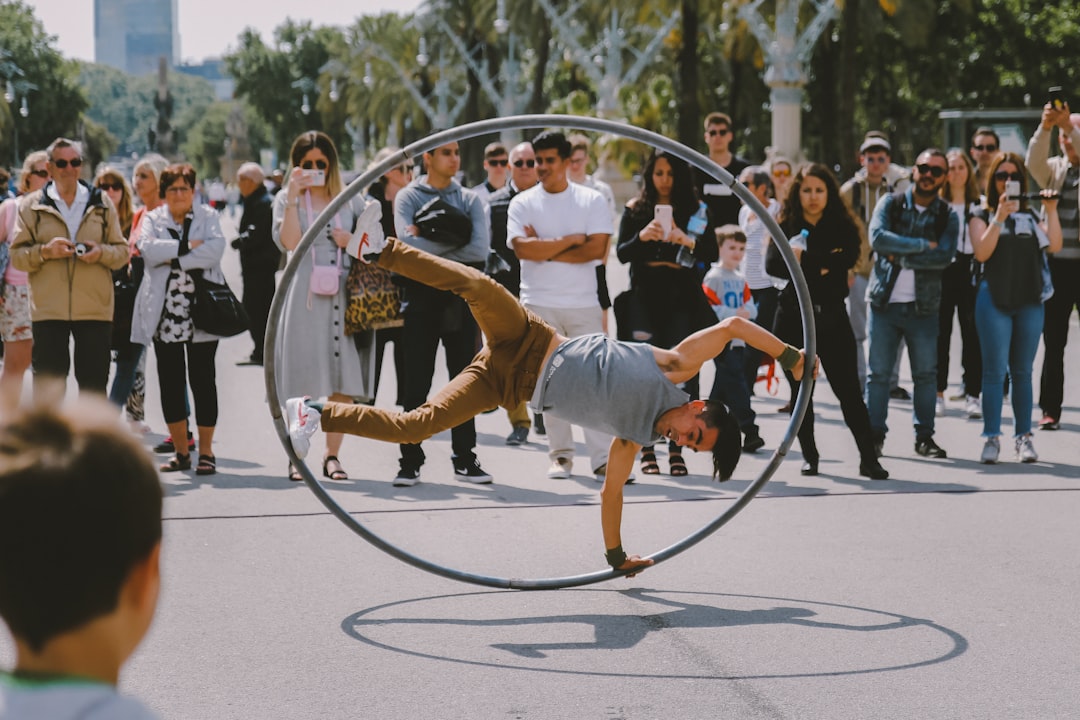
[[665, 302], [1011, 243], [316, 356]]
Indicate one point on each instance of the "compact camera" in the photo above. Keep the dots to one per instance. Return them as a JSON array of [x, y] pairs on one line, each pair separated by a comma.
[[81, 249]]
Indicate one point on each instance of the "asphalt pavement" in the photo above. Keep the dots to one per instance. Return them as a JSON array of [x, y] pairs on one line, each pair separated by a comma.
[[948, 591]]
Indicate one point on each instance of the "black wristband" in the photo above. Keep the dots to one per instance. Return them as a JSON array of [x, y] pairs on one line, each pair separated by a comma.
[[616, 558]]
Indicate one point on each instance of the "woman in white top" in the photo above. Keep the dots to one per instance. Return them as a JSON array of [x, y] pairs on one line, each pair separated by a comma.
[[957, 291]]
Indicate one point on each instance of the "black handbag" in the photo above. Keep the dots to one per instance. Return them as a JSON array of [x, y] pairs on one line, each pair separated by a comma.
[[126, 282], [215, 309]]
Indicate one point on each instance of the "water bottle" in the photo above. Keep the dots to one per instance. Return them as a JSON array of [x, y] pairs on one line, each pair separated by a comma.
[[695, 227], [798, 242]]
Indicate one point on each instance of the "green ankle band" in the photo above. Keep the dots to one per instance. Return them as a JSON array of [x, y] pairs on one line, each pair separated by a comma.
[[789, 358]]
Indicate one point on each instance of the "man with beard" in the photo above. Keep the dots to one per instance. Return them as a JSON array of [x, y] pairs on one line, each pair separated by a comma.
[[914, 235]]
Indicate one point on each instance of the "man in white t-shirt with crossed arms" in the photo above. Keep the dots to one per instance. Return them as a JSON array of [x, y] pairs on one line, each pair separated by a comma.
[[560, 232]]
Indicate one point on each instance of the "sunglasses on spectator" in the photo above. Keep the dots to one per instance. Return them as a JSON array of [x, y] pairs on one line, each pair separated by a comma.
[[782, 172], [498, 163], [1003, 175], [524, 163], [40, 173], [308, 165], [725, 131], [61, 163], [984, 148], [932, 170], [111, 186]]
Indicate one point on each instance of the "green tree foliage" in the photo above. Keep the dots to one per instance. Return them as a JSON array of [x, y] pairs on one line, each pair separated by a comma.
[[204, 144], [55, 104], [271, 77], [124, 104]]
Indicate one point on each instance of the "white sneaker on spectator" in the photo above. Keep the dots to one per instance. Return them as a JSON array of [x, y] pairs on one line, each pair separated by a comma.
[[940, 408], [1025, 451], [991, 450], [973, 408], [303, 422], [367, 240], [561, 468]]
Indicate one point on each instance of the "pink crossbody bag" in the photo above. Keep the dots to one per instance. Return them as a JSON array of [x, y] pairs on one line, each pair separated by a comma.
[[325, 279]]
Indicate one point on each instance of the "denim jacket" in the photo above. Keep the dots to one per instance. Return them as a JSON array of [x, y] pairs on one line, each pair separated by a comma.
[[909, 245]]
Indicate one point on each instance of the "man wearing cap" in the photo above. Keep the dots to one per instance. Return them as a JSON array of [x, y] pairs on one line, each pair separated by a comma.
[[433, 316], [862, 193]]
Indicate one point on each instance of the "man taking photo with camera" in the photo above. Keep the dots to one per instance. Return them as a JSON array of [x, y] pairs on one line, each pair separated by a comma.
[[68, 238]]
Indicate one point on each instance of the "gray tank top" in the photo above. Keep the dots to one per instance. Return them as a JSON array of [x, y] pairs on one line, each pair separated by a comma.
[[607, 385]]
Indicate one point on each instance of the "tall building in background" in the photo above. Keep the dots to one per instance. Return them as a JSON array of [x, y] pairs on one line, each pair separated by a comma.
[[132, 34]]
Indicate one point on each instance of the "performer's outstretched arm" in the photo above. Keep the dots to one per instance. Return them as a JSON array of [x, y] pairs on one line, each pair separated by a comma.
[[620, 463], [684, 360]]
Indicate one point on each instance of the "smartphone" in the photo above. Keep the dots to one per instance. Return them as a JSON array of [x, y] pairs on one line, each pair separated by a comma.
[[1012, 189], [318, 177], [1056, 97], [663, 214]]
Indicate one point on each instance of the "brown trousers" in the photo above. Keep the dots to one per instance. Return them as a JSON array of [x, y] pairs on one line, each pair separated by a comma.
[[504, 372]]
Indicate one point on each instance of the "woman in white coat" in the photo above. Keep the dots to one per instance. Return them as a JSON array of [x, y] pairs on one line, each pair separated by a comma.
[[175, 239]]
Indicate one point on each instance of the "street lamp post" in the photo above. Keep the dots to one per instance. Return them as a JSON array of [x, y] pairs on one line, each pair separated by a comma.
[[15, 90]]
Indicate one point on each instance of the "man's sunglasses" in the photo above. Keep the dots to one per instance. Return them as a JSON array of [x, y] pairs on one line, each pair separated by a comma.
[[498, 163], [1003, 175], [932, 170], [40, 173], [725, 131], [308, 165], [61, 163], [118, 187], [984, 148], [524, 163]]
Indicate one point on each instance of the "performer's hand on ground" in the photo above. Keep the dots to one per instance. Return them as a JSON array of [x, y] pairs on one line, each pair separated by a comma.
[[635, 561]]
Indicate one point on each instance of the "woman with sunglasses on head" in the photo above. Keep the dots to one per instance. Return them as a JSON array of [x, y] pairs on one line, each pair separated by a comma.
[[825, 238], [665, 303], [15, 325], [957, 294], [315, 356], [1011, 244], [177, 239]]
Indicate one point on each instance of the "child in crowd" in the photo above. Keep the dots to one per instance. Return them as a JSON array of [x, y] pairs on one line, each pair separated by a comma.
[[80, 537], [727, 291]]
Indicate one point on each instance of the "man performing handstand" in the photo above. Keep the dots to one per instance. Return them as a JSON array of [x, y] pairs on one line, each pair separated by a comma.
[[626, 389]]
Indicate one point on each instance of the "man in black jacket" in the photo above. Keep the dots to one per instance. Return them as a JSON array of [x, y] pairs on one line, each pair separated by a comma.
[[259, 256]]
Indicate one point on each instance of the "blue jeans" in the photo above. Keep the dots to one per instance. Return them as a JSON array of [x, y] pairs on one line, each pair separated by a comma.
[[127, 363], [888, 326], [1008, 340]]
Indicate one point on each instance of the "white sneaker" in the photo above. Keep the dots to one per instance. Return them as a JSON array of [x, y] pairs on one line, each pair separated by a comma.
[[303, 422], [560, 468], [973, 408], [367, 240], [990, 451], [940, 411], [1025, 451]]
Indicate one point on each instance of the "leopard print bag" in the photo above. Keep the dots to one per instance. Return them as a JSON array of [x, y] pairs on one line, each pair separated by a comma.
[[374, 299]]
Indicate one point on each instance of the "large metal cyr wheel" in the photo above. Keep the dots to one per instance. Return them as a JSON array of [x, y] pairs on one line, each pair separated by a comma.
[[485, 127]]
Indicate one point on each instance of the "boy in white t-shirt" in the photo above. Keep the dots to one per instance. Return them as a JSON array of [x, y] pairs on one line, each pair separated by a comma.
[[80, 538], [729, 295]]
